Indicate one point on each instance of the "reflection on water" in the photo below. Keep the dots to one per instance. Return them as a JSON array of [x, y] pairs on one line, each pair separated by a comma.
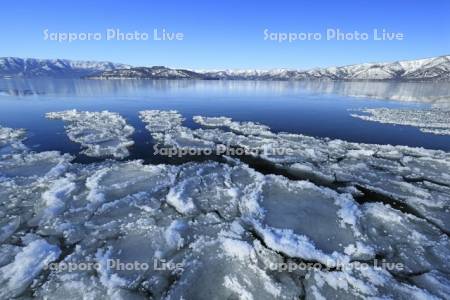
[[314, 108], [436, 93]]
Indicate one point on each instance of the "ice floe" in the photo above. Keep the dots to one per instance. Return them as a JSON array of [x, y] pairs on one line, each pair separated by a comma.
[[415, 177], [100, 133], [224, 230], [11, 140], [434, 121], [165, 128], [246, 128]]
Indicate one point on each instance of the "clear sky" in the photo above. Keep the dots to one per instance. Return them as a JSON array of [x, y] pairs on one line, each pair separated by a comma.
[[226, 33]]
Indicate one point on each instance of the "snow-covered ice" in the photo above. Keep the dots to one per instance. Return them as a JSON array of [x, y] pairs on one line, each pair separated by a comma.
[[367, 283], [415, 177], [436, 121], [100, 133], [28, 263], [228, 227], [166, 128], [246, 128], [11, 140]]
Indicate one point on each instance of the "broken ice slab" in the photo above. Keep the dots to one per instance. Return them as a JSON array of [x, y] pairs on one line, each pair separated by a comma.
[[161, 120], [75, 284], [34, 165], [434, 121], [27, 265], [228, 268], [405, 239], [360, 283], [165, 127], [112, 181], [8, 227], [209, 187], [434, 282], [100, 133], [246, 128], [11, 140], [227, 223], [393, 180], [301, 220], [404, 174]]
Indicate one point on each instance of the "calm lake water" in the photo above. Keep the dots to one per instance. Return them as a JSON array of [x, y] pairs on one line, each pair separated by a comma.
[[319, 109]]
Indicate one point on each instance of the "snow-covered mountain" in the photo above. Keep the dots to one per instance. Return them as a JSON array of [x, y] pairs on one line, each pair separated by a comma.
[[156, 72], [31, 67], [435, 68], [429, 69]]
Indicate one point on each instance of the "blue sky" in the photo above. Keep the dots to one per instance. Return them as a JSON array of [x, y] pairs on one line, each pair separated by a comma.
[[227, 33]]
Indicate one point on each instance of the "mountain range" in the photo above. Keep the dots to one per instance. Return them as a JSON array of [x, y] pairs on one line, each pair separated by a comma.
[[428, 69], [64, 68]]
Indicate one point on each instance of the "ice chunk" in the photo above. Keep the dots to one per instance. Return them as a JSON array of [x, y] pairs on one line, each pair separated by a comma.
[[435, 282], [49, 164], [8, 228], [359, 283], [302, 220], [11, 135], [390, 179], [55, 198], [160, 121], [109, 183], [205, 188], [165, 127], [403, 238], [101, 133], [182, 203], [7, 253], [434, 121], [246, 128], [213, 121], [11, 140], [80, 284], [228, 268], [17, 276]]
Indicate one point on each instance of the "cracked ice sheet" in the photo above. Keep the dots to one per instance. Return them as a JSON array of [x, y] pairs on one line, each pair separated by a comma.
[[360, 283], [162, 232], [121, 210], [100, 133], [304, 221], [385, 177], [236, 271], [416, 177], [382, 169], [434, 282], [434, 121], [107, 217], [406, 239], [115, 210]]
